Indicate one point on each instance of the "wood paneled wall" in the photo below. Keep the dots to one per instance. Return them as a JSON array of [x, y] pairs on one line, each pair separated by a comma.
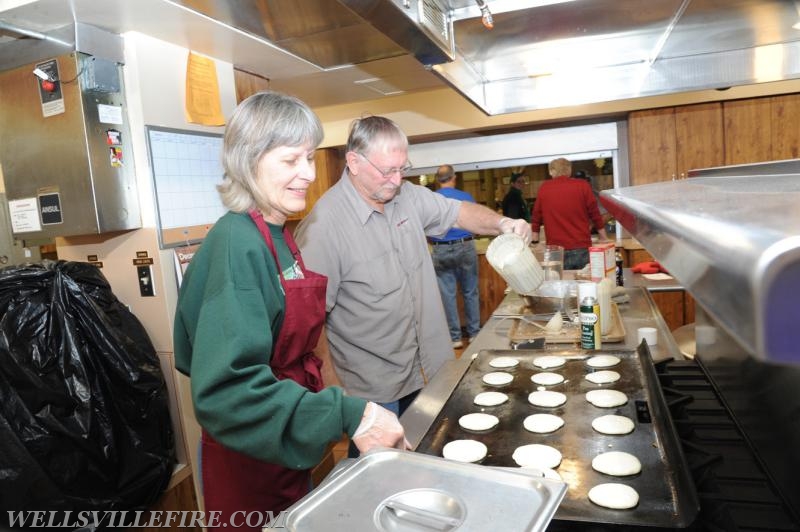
[[666, 143]]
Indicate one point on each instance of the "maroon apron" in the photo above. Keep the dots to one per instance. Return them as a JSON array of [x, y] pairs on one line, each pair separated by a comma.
[[234, 482]]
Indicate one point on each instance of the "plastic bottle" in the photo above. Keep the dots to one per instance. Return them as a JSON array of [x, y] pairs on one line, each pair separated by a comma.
[[620, 276]]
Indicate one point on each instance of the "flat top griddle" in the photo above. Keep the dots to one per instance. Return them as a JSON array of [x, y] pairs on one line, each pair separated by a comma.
[[667, 494]]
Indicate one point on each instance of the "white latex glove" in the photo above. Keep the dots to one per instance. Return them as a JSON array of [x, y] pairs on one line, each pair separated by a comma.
[[379, 428], [519, 227]]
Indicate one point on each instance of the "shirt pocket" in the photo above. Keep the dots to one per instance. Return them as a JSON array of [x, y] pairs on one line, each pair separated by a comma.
[[379, 276], [413, 247]]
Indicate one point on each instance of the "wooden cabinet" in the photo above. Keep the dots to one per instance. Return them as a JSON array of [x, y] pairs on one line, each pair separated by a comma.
[[491, 288], [177, 498], [672, 306], [748, 131], [632, 257], [666, 143], [248, 84], [698, 137], [762, 129], [652, 145], [330, 164], [676, 306], [785, 127], [688, 308]]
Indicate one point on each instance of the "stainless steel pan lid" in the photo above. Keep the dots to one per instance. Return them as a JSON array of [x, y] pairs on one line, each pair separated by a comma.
[[399, 491]]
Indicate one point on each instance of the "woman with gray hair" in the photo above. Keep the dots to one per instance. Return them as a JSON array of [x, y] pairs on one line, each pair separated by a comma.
[[248, 317]]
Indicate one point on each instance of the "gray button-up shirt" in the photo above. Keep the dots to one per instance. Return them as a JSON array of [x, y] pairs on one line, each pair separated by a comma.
[[386, 325]]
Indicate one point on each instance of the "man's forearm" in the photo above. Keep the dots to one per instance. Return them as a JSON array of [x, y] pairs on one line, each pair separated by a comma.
[[481, 220], [478, 219]]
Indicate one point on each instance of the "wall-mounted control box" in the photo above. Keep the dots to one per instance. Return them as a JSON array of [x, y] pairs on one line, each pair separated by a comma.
[[145, 275]]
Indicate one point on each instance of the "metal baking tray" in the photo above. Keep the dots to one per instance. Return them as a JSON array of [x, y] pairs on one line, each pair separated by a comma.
[[667, 494], [398, 491]]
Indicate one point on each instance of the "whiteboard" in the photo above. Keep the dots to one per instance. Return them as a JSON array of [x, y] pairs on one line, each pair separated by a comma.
[[186, 166]]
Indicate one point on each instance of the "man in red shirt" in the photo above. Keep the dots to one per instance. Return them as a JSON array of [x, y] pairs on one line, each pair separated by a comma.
[[568, 209]]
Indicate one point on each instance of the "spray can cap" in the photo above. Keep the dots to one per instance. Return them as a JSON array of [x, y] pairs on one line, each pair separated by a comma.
[[587, 289]]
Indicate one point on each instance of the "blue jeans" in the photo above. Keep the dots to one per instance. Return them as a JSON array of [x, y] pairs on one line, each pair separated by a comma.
[[458, 263], [576, 259]]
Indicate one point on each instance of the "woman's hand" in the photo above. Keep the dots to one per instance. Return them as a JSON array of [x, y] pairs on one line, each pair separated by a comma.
[[379, 428]]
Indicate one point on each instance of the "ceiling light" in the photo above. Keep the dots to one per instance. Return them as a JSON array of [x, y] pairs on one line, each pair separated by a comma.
[[486, 15], [380, 86]]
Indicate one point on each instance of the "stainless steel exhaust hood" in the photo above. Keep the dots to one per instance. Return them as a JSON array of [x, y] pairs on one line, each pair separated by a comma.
[[571, 53], [555, 53], [731, 236], [538, 54]]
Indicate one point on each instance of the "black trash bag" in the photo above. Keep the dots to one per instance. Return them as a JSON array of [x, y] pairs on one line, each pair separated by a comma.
[[84, 423]]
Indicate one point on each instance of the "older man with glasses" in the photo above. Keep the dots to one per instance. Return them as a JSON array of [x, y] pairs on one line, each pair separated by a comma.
[[386, 326]]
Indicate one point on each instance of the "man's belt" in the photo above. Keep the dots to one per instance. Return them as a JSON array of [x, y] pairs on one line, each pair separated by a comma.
[[449, 242]]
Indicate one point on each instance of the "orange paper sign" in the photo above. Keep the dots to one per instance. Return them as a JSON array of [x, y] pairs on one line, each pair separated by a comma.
[[202, 92]]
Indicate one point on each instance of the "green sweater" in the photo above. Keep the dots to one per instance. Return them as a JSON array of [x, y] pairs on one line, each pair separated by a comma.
[[228, 316]]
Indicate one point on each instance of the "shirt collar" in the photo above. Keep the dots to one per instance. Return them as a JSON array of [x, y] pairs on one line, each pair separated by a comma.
[[360, 206]]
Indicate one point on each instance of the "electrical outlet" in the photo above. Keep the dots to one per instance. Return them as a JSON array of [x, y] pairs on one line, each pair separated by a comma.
[[145, 274]]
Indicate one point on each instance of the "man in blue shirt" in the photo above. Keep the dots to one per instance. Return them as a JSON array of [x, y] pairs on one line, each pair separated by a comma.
[[456, 263]]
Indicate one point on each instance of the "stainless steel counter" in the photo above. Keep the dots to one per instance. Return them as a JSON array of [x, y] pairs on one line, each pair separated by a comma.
[[634, 280], [640, 311]]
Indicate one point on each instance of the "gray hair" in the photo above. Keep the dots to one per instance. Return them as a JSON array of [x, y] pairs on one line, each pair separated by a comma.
[[374, 132], [559, 167], [445, 173], [262, 122]]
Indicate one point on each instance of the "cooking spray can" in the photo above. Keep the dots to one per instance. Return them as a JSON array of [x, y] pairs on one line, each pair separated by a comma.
[[589, 316]]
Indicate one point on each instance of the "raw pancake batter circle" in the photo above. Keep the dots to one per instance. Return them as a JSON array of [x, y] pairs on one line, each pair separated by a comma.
[[503, 362], [490, 398], [547, 398], [537, 455], [478, 421], [547, 379], [606, 398], [612, 424], [617, 463], [464, 451], [498, 378], [602, 361], [614, 496], [605, 376], [542, 423], [549, 361]]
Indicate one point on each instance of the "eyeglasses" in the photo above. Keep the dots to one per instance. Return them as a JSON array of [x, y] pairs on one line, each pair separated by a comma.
[[390, 171]]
